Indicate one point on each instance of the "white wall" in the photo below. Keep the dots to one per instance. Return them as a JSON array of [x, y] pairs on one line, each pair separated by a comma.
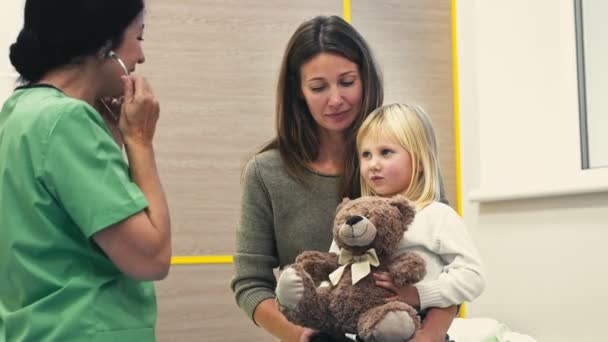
[[595, 27], [539, 220], [11, 19]]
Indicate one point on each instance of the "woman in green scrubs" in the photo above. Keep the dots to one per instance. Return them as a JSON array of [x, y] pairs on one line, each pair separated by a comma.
[[82, 233]]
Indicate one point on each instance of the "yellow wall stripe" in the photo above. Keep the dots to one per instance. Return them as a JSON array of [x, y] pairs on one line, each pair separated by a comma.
[[463, 309], [201, 259], [456, 111], [346, 9]]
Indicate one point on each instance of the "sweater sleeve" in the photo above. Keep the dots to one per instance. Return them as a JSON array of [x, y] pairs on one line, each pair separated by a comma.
[[256, 255], [462, 277]]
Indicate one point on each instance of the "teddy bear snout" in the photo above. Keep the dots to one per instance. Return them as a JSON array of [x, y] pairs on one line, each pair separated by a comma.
[[353, 220], [357, 231]]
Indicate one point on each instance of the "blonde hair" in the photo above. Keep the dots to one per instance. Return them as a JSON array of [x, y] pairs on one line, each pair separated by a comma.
[[409, 126]]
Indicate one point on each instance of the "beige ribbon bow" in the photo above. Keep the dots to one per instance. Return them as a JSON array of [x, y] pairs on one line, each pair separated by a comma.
[[360, 265]]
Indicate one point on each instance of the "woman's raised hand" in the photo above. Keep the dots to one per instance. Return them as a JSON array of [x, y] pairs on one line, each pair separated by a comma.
[[139, 113]]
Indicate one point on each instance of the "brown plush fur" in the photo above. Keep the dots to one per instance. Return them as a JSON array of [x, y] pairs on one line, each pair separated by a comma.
[[375, 315], [360, 307]]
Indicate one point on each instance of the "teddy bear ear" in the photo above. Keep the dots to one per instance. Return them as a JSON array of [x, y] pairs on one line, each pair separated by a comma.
[[405, 208], [344, 201]]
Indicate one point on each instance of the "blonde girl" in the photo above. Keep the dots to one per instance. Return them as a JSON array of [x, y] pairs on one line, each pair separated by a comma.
[[398, 155]]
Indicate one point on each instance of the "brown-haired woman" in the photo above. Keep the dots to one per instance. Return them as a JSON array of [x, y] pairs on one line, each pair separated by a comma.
[[328, 83]]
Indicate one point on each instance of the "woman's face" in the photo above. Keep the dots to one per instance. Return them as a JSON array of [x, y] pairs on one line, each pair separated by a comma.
[[130, 52], [332, 88]]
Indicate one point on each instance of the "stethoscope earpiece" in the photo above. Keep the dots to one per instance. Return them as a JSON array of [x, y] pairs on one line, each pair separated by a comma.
[[112, 54]]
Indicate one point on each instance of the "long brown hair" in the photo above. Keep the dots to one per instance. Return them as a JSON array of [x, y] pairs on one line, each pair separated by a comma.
[[297, 138]]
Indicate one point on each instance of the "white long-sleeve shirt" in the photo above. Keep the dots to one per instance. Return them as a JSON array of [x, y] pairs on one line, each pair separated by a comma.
[[453, 267]]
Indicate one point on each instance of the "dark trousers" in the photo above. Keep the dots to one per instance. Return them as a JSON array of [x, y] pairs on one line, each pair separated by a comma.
[[323, 337]]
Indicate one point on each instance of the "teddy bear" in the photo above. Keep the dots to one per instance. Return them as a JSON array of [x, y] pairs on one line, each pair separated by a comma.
[[336, 293]]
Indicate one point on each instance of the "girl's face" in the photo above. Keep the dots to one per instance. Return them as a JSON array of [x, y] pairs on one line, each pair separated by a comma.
[[386, 167], [332, 88]]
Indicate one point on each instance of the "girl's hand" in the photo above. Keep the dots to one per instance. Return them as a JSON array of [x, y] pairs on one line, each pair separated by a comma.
[[407, 294], [140, 111]]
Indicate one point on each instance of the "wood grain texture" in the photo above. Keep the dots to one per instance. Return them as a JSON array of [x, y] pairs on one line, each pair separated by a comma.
[[196, 304], [412, 42], [214, 65]]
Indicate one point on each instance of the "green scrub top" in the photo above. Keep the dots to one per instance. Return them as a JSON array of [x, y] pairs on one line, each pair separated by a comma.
[[62, 179]]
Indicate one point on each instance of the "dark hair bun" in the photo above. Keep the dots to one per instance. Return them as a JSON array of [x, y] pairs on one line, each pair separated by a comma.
[[57, 33], [27, 57]]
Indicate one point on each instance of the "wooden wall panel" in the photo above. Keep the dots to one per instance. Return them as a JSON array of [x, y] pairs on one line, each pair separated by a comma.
[[412, 42], [195, 304], [214, 65]]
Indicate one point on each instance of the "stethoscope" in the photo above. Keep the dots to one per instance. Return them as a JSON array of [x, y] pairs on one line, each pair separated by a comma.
[[114, 56]]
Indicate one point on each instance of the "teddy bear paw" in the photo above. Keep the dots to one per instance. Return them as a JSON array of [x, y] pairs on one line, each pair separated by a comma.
[[290, 288], [396, 326], [392, 322]]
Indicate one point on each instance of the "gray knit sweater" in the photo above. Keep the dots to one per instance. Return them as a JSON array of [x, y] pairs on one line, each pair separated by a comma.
[[280, 218]]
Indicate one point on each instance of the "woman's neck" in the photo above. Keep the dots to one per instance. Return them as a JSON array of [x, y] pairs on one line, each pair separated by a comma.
[[330, 160], [79, 81]]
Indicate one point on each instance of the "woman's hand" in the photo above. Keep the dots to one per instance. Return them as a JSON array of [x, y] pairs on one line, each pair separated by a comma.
[[306, 334], [268, 316], [299, 334], [407, 294], [423, 336], [139, 111]]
